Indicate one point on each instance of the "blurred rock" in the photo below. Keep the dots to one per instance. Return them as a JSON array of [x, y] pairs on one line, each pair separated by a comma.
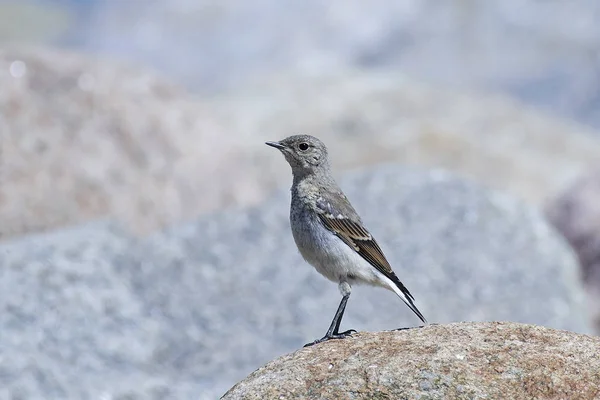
[[72, 326], [466, 253], [369, 118], [544, 52], [457, 361], [90, 312], [84, 138], [576, 214]]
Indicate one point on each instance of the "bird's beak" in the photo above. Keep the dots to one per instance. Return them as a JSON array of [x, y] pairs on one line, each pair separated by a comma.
[[277, 145]]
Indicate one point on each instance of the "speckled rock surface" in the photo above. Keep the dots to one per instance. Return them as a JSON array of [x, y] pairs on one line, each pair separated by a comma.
[[456, 361], [73, 326], [91, 312]]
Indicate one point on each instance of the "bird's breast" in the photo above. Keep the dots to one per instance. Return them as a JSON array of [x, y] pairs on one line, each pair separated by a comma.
[[310, 236], [320, 247]]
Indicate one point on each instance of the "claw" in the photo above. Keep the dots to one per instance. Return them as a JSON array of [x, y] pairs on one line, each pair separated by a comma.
[[325, 338]]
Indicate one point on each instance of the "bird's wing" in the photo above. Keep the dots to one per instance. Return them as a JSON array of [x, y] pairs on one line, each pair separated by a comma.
[[337, 214], [340, 218]]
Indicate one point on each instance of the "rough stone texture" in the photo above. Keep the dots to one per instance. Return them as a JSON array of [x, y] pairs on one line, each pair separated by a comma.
[[576, 214], [490, 360], [73, 327], [90, 312]]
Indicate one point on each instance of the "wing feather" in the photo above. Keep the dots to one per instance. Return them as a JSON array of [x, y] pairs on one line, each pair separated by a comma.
[[358, 238], [345, 223]]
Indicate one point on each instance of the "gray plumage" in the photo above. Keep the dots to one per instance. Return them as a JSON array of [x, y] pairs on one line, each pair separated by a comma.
[[328, 231]]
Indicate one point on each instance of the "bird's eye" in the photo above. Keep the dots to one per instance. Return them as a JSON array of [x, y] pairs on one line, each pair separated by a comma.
[[303, 146]]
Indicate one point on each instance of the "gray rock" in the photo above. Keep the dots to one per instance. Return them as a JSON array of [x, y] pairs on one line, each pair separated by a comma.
[[455, 361], [90, 312], [72, 325], [99, 138], [105, 139], [370, 117], [240, 294]]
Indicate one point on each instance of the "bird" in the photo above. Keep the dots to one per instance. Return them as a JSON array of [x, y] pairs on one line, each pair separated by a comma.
[[330, 234]]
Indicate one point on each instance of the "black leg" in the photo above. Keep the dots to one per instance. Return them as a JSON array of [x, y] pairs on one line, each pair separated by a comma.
[[337, 318], [333, 331]]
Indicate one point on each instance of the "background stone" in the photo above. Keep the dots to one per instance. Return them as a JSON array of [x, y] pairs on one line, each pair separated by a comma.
[[84, 138], [458, 361], [91, 312], [72, 325], [576, 214], [370, 118]]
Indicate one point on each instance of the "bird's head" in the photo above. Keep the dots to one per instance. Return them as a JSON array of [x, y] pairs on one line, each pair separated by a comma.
[[306, 154]]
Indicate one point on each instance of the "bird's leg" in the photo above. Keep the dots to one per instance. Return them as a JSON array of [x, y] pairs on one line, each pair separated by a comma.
[[333, 331], [337, 318]]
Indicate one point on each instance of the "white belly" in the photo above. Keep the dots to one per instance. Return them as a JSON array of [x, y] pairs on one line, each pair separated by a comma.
[[328, 254]]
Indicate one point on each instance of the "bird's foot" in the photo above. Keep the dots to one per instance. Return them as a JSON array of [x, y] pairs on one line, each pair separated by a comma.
[[340, 335]]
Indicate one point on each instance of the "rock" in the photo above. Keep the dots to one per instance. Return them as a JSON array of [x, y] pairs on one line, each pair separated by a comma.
[[576, 214], [370, 118], [72, 325], [90, 312], [458, 361], [84, 139], [466, 253]]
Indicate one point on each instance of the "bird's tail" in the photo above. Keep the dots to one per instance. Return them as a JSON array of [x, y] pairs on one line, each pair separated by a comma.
[[406, 297]]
